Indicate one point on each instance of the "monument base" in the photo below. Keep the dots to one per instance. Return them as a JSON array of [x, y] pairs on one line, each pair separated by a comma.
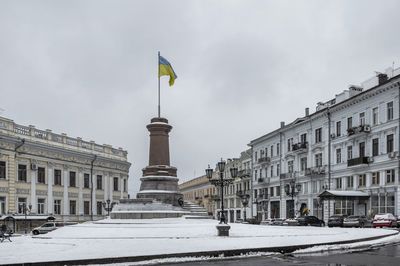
[[145, 208]]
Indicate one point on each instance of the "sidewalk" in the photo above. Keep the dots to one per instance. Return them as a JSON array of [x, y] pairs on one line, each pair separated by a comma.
[[113, 241]]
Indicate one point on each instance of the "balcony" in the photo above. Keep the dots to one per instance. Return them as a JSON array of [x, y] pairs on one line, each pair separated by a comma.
[[358, 130], [287, 175], [315, 171], [260, 180], [264, 160], [300, 147], [360, 161], [244, 173]]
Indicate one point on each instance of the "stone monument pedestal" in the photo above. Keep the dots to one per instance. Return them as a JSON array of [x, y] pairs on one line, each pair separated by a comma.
[[159, 196]]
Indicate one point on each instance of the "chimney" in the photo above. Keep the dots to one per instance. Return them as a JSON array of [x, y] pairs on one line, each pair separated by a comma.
[[282, 124], [382, 78], [307, 111]]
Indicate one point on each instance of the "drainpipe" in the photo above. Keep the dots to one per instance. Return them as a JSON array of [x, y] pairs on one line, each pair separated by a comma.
[[91, 190], [329, 158]]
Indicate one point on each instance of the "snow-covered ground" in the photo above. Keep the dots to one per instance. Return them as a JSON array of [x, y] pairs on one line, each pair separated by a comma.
[[123, 238]]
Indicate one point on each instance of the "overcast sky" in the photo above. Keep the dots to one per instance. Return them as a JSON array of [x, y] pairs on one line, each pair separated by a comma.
[[89, 68]]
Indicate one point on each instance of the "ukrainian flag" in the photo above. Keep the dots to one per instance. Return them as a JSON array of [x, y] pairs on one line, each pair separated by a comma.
[[165, 69]]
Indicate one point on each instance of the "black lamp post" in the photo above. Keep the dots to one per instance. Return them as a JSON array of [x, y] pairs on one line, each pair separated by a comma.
[[221, 183], [108, 206], [292, 189], [26, 209]]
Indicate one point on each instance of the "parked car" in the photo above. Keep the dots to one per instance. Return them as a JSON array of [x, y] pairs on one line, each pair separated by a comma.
[[336, 220], [49, 226], [355, 221], [384, 220], [267, 222], [278, 221], [310, 220], [291, 222]]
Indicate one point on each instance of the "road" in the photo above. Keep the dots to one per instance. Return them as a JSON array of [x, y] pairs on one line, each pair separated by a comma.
[[387, 255]]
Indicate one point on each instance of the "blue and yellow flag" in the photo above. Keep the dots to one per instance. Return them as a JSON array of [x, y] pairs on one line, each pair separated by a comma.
[[165, 69]]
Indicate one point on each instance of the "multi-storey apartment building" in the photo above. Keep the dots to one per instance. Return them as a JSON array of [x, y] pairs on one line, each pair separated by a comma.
[[237, 192], [199, 191], [348, 149], [55, 174]]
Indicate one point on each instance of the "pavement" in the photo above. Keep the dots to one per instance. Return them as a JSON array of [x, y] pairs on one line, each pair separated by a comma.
[[142, 240]]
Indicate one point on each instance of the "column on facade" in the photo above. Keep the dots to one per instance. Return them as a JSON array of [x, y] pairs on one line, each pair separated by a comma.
[[106, 185], [121, 185], [50, 182], [368, 179], [356, 182], [382, 178], [65, 210], [94, 202], [80, 191], [111, 187], [33, 191]]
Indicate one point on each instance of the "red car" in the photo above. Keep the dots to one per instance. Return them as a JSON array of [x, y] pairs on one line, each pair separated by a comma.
[[384, 220]]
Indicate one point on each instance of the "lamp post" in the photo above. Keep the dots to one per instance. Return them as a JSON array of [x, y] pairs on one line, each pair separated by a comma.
[[221, 183], [26, 209], [108, 206], [292, 189]]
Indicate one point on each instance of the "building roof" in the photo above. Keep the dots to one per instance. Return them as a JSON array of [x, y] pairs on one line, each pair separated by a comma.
[[341, 194]]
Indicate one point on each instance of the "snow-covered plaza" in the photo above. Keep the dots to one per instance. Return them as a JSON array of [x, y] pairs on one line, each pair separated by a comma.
[[130, 238]]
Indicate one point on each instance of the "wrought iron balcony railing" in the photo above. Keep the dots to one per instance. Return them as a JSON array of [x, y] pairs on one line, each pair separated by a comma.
[[358, 161]]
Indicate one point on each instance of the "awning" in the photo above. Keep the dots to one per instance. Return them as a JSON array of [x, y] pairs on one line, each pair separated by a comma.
[[344, 195]]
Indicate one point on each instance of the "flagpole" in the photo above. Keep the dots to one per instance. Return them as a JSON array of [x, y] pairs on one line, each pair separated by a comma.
[[158, 64]]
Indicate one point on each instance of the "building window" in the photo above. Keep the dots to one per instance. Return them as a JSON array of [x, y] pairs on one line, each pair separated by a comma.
[[290, 166], [389, 111], [375, 116], [57, 177], [116, 183], [362, 180], [72, 207], [361, 149], [338, 128], [338, 155], [41, 175], [318, 135], [383, 203], [349, 152], [86, 179], [2, 170], [255, 156], [21, 205], [318, 159], [40, 206], [289, 144], [277, 149], [303, 138], [350, 182], [57, 206], [99, 182], [344, 207], [271, 192], [278, 169], [389, 143], [278, 191], [338, 183], [125, 188], [2, 205], [72, 179], [362, 119], [99, 208], [22, 172], [349, 122], [375, 178], [303, 163], [390, 176], [375, 147], [86, 207]]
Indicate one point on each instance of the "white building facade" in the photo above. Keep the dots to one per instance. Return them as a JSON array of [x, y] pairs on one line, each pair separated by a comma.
[[351, 143], [58, 175]]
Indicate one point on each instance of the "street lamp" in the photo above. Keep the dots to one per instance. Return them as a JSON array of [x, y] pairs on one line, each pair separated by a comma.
[[26, 209], [292, 189], [245, 203], [221, 183], [108, 206]]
